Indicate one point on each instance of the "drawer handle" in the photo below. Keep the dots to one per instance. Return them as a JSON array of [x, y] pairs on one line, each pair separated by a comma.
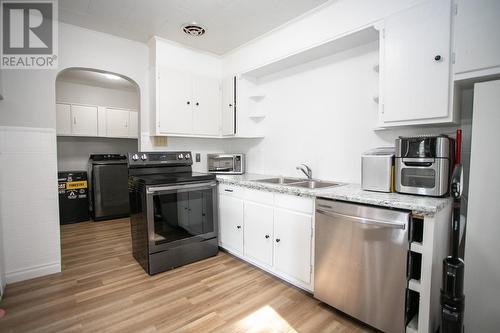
[[278, 240], [228, 190], [267, 236], [238, 226]]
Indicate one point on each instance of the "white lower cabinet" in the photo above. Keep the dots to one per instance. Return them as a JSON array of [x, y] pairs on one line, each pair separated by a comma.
[[258, 235], [275, 231], [293, 235], [231, 223]]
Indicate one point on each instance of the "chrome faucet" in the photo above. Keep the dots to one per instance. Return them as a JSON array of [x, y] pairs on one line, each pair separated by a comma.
[[306, 170]]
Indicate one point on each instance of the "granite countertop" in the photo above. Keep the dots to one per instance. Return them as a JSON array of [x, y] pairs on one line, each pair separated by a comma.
[[347, 192]]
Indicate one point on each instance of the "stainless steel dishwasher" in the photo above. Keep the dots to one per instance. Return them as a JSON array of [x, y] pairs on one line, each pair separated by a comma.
[[360, 262]]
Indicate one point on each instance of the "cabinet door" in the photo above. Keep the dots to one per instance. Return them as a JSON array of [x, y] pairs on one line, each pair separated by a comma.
[[477, 24], [133, 128], [175, 102], [117, 122], [63, 119], [258, 236], [101, 121], [231, 223], [84, 120], [416, 64], [292, 244], [206, 108], [228, 115]]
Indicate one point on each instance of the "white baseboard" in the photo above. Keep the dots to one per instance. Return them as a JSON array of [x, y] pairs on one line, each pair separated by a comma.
[[32, 272]]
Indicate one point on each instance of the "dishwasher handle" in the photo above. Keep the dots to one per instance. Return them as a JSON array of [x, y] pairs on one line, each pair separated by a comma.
[[364, 220]]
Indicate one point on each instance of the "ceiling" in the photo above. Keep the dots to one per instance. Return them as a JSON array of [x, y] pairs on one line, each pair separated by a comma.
[[98, 79], [228, 23]]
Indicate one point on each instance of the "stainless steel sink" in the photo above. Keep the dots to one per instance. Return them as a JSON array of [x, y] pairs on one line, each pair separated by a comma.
[[298, 182], [280, 180], [313, 184]]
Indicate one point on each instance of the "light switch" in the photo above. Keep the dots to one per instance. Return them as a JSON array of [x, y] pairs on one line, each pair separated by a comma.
[[198, 157]]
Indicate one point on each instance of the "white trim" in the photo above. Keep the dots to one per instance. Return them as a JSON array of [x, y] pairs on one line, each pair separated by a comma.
[[27, 129], [32, 272]]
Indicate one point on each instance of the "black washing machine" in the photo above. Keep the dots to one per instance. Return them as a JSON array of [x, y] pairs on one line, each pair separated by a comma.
[[108, 175]]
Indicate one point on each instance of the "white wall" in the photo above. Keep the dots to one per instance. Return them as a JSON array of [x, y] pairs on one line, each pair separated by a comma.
[[71, 92], [322, 113], [73, 152], [2, 263], [32, 244], [336, 18]]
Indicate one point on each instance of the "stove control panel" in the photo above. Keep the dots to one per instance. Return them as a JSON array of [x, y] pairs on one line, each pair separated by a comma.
[[142, 159]]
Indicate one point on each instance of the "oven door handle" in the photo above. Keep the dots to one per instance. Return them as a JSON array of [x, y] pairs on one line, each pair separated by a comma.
[[154, 190]]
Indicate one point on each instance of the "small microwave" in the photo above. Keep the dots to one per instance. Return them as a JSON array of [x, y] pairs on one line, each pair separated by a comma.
[[232, 164]]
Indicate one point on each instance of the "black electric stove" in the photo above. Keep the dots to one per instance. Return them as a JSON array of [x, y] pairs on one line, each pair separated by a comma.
[[173, 210], [173, 178]]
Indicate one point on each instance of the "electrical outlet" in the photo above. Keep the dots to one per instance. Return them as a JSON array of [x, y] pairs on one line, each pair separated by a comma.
[[198, 157]]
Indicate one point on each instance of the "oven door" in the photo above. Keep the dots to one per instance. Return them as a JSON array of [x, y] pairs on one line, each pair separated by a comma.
[[181, 214], [221, 164]]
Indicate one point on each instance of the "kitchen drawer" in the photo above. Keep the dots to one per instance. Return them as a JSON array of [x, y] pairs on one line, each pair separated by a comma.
[[259, 196], [295, 203], [231, 190]]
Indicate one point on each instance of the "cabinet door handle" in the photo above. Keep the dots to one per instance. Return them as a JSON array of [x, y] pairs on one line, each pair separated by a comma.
[[228, 190], [437, 57], [197, 103], [267, 236], [278, 240], [230, 105], [238, 226], [188, 102]]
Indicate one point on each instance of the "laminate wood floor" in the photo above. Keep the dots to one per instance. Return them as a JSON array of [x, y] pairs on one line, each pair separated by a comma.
[[103, 289]]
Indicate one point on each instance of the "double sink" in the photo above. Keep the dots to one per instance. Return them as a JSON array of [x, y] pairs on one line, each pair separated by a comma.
[[299, 182]]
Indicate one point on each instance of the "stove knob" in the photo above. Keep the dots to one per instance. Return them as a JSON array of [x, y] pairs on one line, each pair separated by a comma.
[[135, 157], [144, 157], [188, 156], [180, 156]]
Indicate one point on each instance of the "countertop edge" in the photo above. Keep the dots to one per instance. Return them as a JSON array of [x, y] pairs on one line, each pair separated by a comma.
[[369, 198]]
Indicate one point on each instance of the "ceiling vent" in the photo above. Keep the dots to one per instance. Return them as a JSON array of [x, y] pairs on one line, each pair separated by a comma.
[[193, 29]]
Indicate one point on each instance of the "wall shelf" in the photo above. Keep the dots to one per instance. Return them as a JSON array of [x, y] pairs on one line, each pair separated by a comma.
[[336, 45], [257, 98], [257, 116]]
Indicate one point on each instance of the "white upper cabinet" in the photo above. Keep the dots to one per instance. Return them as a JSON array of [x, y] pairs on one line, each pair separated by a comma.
[[84, 120], [415, 66], [63, 119], [117, 122], [101, 121], [188, 104], [206, 106], [228, 106], [175, 102], [133, 129], [88, 120], [477, 37]]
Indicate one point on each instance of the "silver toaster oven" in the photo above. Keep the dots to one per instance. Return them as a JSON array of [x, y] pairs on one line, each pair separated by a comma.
[[232, 164], [423, 165]]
